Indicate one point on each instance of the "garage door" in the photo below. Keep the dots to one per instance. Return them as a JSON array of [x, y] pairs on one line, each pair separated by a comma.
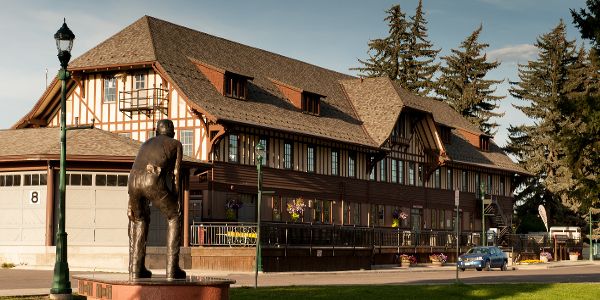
[[96, 207], [22, 208]]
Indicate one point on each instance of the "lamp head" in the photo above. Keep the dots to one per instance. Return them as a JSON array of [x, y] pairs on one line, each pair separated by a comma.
[[64, 43]]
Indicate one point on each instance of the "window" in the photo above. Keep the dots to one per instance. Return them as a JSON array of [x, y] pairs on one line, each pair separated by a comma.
[[401, 171], [465, 181], [322, 211], [420, 175], [311, 103], [111, 180], [110, 89], [437, 178], [411, 173], [382, 170], [310, 159], [352, 164], [75, 179], [139, 81], [34, 179], [233, 148], [10, 180], [489, 184], [335, 162], [484, 143], [449, 180], [263, 142], [377, 215], [502, 192], [352, 214], [235, 86], [288, 155], [477, 185], [394, 171], [186, 137], [276, 209]]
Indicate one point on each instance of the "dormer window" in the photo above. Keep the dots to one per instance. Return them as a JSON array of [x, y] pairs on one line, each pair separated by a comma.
[[235, 86], [139, 81], [484, 143], [311, 103]]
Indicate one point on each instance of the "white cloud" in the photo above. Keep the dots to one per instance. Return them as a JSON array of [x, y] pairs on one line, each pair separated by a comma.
[[514, 54]]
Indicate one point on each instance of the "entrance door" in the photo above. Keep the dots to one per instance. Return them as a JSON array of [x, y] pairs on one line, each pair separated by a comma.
[[247, 213], [415, 223]]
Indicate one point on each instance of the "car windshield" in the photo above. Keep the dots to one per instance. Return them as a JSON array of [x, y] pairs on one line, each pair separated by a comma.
[[478, 251]]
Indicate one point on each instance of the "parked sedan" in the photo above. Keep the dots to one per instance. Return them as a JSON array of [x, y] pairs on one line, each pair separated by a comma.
[[483, 258]]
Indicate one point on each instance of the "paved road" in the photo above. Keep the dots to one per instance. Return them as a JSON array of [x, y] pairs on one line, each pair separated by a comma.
[[37, 282]]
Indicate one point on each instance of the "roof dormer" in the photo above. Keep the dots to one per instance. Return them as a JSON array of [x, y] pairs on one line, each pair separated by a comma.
[[228, 83], [306, 101], [484, 143]]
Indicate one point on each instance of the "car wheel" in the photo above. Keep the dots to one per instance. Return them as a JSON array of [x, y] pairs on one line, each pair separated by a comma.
[[487, 266], [478, 269], [504, 267]]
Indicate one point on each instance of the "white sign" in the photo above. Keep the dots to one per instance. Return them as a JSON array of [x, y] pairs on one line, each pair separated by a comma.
[[34, 197], [456, 197]]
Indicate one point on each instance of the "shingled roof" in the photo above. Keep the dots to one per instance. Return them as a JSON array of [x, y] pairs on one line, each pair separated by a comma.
[[362, 114], [82, 143]]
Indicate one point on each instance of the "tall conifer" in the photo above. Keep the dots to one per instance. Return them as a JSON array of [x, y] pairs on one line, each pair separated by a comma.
[[462, 83]]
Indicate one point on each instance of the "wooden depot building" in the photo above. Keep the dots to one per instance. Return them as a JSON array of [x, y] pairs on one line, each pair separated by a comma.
[[357, 151]]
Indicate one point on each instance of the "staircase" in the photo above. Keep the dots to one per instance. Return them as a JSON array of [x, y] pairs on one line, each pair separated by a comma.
[[499, 220]]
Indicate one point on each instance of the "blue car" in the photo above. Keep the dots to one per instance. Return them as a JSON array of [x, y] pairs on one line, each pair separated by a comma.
[[483, 258]]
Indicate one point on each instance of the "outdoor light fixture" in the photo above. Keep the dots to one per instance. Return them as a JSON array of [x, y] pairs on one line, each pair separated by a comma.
[[61, 286], [260, 155]]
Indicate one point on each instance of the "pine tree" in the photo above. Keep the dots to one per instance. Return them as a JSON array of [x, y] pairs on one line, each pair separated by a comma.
[[463, 87], [405, 55], [385, 54], [543, 84], [418, 61], [588, 22]]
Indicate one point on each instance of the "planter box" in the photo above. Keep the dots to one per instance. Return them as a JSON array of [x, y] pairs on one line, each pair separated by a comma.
[[573, 257]]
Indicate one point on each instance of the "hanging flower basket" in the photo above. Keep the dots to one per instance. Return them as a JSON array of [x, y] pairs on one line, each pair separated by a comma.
[[407, 260], [296, 209]]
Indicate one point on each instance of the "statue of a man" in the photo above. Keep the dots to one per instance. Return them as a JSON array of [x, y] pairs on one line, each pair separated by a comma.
[[155, 177]]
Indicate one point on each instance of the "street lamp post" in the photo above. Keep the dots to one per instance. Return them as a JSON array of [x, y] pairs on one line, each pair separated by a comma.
[[260, 154], [60, 284], [483, 235]]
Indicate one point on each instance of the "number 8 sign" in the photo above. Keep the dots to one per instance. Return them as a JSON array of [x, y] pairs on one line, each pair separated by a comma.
[[34, 197]]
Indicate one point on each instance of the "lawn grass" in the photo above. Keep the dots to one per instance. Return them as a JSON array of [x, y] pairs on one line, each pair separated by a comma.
[[527, 291]]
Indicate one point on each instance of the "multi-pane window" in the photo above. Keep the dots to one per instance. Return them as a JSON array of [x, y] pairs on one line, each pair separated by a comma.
[[335, 162], [477, 185], [235, 86], [401, 171], [139, 81], [449, 179], [77, 179], [34, 179], [110, 89], [382, 170], [420, 175], [489, 184], [411, 173], [10, 180], [233, 148], [288, 155], [394, 170], [310, 103], [111, 180], [465, 181], [310, 159], [263, 142], [186, 137], [502, 192], [352, 216], [437, 178], [352, 164], [322, 211], [377, 215]]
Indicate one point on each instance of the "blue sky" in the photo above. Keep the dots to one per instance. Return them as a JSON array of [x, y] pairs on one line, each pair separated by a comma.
[[331, 34]]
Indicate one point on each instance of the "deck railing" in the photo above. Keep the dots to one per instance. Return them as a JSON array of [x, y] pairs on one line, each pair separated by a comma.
[[315, 235]]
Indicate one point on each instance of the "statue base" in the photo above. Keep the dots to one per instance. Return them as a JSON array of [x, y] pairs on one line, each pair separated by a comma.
[[118, 286]]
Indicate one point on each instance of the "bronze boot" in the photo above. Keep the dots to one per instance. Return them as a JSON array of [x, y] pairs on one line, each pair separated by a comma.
[[137, 250], [173, 243]]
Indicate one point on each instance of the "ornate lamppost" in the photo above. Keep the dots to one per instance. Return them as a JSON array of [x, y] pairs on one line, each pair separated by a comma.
[[260, 155], [60, 284]]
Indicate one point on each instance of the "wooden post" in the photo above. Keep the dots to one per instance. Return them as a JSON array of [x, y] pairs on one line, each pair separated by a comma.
[[50, 207]]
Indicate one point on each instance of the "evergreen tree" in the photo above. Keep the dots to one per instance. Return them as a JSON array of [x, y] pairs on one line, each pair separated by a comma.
[[418, 61], [543, 84], [588, 22], [385, 54], [463, 87], [405, 55]]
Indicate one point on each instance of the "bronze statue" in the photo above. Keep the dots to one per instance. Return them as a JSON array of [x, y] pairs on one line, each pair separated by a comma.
[[155, 177]]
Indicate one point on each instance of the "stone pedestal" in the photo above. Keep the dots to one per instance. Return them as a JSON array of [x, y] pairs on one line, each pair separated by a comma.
[[119, 287]]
